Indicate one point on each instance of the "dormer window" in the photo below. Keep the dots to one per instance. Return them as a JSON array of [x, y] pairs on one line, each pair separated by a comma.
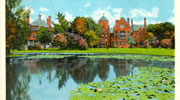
[[121, 26]]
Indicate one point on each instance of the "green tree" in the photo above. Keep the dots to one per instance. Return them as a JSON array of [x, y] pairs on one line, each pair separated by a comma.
[[63, 25], [92, 38], [92, 25], [17, 28], [162, 30], [44, 36]]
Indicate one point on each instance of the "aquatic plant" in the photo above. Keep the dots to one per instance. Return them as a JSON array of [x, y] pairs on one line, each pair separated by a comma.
[[150, 83]]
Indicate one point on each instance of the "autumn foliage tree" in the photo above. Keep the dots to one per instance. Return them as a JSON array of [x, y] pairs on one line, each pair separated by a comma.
[[17, 28], [79, 25], [164, 32]]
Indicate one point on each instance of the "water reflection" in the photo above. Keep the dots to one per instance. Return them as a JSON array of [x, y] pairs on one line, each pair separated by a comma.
[[21, 72]]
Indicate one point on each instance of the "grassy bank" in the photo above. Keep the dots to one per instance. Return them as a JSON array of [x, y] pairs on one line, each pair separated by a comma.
[[144, 51]]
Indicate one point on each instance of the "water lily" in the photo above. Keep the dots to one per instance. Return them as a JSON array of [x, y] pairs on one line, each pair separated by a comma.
[[164, 81], [99, 90]]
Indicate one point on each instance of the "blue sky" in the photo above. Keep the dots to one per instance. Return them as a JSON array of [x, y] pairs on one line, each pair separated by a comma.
[[155, 11]]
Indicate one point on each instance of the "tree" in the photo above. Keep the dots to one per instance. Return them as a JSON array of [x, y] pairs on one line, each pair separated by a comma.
[[79, 25], [63, 25], [17, 28], [162, 30], [44, 36], [92, 25], [92, 38]]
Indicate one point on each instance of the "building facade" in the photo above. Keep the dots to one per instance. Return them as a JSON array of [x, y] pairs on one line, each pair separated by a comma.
[[34, 27], [118, 35]]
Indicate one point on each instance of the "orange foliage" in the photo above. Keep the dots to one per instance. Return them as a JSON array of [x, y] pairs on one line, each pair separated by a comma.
[[166, 43], [79, 25]]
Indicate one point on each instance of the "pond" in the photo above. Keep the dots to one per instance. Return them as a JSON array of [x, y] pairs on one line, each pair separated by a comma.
[[33, 78]]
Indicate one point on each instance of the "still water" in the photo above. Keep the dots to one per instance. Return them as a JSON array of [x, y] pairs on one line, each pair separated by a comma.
[[53, 79]]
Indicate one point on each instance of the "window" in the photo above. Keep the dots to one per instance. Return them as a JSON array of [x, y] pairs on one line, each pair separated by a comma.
[[122, 35], [115, 44], [121, 26], [122, 42], [102, 36], [116, 34], [106, 35]]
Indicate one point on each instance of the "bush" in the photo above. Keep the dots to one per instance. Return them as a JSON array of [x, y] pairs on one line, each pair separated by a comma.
[[34, 47], [37, 46], [59, 40], [83, 44], [166, 43], [30, 47]]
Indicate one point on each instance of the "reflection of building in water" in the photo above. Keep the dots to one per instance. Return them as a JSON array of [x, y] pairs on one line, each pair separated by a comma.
[[103, 69], [121, 67]]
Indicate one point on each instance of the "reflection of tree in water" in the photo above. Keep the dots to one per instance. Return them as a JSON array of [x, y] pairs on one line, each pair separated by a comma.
[[120, 67], [17, 81], [84, 70], [103, 68]]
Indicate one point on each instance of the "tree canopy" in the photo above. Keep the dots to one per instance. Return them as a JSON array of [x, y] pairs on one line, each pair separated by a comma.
[[162, 30], [62, 26], [92, 38], [17, 28], [44, 35]]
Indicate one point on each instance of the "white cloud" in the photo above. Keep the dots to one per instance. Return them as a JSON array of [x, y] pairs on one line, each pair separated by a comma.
[[68, 16], [141, 12], [31, 9], [110, 15], [87, 5], [44, 9], [171, 19]]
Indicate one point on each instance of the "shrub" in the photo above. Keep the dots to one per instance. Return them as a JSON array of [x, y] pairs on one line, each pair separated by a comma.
[[37, 46], [83, 44], [34, 47], [30, 47], [59, 40], [166, 43]]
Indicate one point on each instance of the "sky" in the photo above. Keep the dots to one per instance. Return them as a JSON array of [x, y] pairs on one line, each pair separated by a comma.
[[155, 11]]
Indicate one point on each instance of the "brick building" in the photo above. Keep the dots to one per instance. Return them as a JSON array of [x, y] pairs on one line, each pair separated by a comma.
[[34, 27], [118, 35]]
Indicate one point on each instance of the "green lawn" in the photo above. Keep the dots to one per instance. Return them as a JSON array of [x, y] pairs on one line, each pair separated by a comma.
[[144, 51]]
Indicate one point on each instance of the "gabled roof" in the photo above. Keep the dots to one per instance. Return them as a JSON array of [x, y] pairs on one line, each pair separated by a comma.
[[102, 18], [39, 23], [136, 27]]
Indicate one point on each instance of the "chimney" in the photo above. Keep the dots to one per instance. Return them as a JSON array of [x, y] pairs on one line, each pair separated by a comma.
[[128, 21], [131, 22], [39, 16], [48, 21], [144, 22], [28, 19]]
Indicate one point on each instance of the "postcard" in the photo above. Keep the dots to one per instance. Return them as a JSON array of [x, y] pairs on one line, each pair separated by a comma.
[[90, 50]]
